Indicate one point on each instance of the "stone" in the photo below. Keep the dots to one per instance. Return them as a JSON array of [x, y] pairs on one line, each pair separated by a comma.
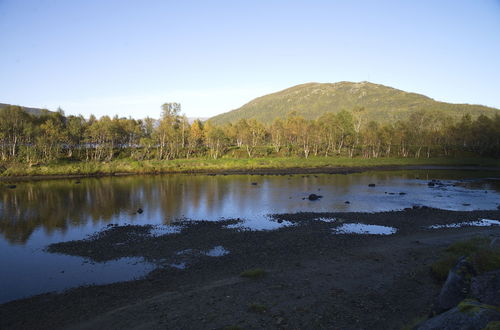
[[456, 287], [313, 197], [469, 314], [486, 288]]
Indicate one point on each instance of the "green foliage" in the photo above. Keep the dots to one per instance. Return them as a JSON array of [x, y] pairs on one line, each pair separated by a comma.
[[312, 100], [254, 273], [478, 251], [31, 142]]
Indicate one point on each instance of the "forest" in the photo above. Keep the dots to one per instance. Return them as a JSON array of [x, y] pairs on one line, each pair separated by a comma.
[[36, 139]]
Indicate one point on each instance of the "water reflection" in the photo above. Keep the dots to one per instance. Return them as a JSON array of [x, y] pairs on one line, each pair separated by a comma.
[[63, 206], [36, 214]]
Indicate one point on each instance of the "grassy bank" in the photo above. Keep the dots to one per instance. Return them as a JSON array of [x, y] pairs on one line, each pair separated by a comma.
[[129, 166]]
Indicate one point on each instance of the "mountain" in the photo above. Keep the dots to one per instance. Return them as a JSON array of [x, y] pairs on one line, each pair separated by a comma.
[[33, 111], [311, 100]]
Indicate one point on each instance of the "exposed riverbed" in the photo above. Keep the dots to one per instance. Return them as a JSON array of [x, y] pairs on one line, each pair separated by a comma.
[[37, 214]]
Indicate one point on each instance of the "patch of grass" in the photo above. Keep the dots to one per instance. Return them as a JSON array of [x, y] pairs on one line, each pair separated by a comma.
[[472, 307], [441, 267], [413, 323], [257, 308], [202, 164], [494, 325], [254, 273], [478, 252]]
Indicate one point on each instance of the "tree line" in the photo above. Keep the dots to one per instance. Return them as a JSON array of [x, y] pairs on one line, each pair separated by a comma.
[[49, 136]]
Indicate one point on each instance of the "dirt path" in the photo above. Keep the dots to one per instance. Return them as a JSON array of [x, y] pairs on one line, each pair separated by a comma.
[[314, 279]]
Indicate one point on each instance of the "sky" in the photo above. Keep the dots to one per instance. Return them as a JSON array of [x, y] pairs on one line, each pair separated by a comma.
[[126, 58]]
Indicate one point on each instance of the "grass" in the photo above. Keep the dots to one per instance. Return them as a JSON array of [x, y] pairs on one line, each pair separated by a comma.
[[494, 325], [254, 273], [478, 251], [257, 308], [119, 166]]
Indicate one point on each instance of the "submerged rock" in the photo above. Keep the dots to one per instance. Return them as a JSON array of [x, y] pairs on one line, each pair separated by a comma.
[[486, 288], [469, 314], [456, 287], [371, 185], [313, 197]]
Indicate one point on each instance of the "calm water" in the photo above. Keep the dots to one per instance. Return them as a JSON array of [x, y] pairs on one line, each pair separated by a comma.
[[36, 214]]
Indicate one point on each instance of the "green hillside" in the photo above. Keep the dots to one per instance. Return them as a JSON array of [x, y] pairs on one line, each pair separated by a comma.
[[33, 111], [311, 100]]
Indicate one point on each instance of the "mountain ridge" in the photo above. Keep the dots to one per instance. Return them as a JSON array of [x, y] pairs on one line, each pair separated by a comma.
[[33, 111], [313, 99]]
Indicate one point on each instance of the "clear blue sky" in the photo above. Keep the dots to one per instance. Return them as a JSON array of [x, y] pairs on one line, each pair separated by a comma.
[[129, 57]]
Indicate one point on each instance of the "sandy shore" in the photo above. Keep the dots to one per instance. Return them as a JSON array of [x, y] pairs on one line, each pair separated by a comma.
[[313, 278]]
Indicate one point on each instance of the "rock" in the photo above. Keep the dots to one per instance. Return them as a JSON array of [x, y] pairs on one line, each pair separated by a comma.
[[371, 185], [254, 183], [402, 193], [498, 207], [469, 314], [456, 287], [11, 186], [486, 288], [313, 197], [465, 204], [431, 184], [139, 210], [347, 202]]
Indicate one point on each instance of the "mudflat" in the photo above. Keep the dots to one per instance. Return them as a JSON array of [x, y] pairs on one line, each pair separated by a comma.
[[301, 276]]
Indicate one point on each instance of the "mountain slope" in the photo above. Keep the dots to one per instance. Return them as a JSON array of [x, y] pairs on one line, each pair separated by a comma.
[[311, 100], [33, 111]]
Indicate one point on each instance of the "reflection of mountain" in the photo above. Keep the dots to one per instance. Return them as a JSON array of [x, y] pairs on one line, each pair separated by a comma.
[[67, 207], [63, 204], [59, 205]]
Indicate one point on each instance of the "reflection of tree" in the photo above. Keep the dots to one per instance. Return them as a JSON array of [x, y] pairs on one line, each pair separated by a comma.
[[59, 205]]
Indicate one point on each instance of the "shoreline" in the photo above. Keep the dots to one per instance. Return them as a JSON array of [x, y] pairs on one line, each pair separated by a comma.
[[336, 169], [312, 277]]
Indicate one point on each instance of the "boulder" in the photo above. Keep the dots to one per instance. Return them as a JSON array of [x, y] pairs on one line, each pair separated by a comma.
[[456, 287], [486, 288], [469, 314], [313, 197]]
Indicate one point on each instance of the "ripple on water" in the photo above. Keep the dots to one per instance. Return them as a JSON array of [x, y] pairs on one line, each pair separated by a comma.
[[363, 229]]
